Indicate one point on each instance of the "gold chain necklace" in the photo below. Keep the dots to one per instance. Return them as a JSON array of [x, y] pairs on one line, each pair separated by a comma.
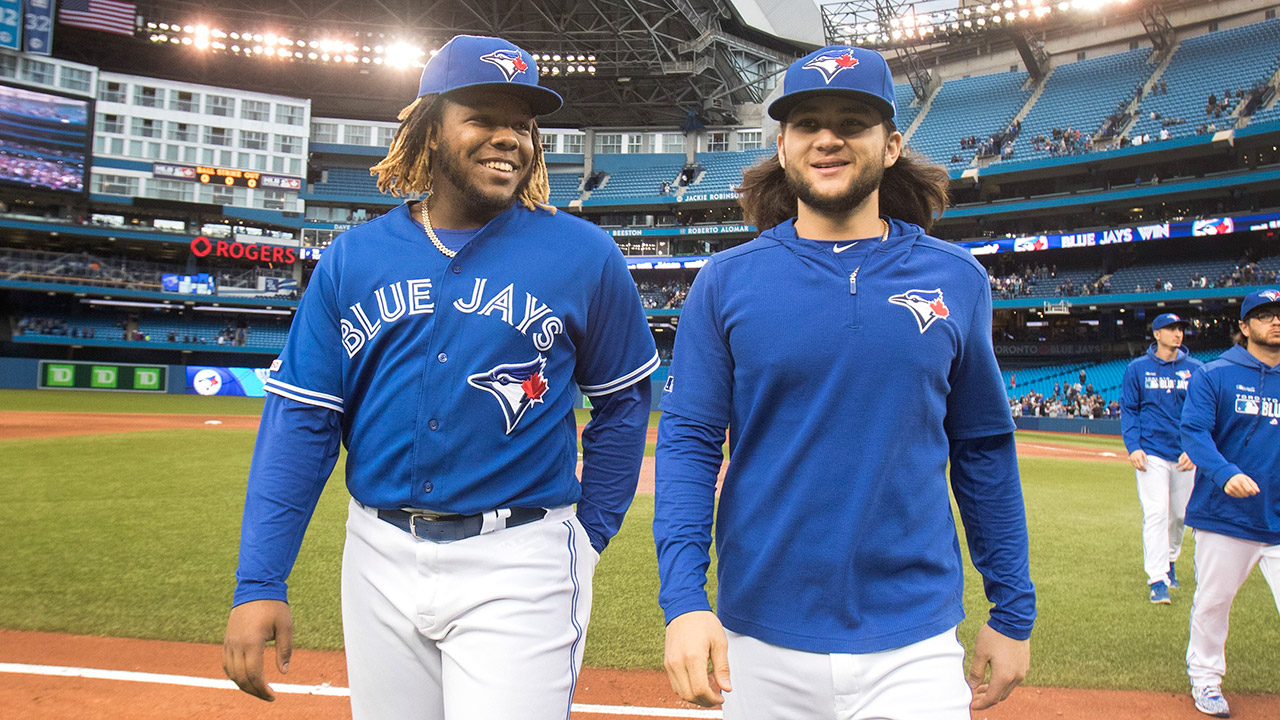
[[431, 233], [885, 235]]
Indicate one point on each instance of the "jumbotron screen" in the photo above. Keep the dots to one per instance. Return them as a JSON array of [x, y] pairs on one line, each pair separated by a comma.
[[44, 140]]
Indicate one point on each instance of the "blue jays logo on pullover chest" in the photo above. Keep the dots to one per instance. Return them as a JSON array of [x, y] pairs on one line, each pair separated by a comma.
[[363, 321]]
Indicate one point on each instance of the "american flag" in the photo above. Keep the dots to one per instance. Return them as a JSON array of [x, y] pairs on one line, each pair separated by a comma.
[[106, 15]]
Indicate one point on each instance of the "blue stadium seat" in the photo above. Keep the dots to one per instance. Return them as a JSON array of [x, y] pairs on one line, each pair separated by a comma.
[[978, 106]]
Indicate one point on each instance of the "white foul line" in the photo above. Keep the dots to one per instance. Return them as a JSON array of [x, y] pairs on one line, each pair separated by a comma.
[[1069, 450], [323, 689]]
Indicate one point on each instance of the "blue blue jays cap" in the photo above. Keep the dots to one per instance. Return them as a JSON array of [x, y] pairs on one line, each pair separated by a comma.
[[469, 61], [837, 70], [1167, 319], [1257, 299]]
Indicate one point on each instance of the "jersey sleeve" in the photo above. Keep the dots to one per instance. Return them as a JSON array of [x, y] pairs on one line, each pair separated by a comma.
[[618, 348], [700, 386], [977, 405], [309, 369], [1199, 418], [1130, 405]]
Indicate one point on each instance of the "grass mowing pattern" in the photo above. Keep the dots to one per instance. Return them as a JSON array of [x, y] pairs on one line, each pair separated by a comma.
[[136, 536], [126, 402]]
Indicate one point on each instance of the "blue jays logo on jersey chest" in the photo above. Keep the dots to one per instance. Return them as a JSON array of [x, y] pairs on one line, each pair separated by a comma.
[[926, 306]]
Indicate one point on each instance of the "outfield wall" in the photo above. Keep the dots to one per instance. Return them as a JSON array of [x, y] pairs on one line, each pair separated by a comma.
[[1069, 425]]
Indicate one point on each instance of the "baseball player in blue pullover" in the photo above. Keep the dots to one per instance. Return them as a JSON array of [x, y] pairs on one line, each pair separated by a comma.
[[1231, 431], [1151, 398], [440, 343], [849, 356]]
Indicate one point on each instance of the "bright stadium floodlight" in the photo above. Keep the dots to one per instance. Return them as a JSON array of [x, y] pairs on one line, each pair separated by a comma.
[[400, 55]]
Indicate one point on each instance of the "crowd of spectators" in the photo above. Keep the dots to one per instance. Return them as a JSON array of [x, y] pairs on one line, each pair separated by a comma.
[[52, 326], [1007, 285], [662, 295], [1063, 141], [1244, 274], [1068, 400]]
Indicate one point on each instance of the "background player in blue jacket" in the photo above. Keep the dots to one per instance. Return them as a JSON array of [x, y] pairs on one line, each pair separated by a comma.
[[849, 356], [440, 343], [1152, 393], [1231, 430]]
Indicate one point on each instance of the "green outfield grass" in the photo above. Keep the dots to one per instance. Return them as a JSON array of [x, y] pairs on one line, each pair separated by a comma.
[[136, 536]]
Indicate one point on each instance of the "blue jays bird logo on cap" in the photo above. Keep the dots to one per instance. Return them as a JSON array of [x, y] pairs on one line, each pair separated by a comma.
[[517, 386], [832, 63], [925, 305], [508, 61], [1272, 295]]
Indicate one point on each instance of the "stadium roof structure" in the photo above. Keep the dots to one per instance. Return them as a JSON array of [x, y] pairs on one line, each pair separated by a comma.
[[657, 62]]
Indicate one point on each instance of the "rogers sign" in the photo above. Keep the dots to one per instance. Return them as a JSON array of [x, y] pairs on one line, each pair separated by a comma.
[[202, 246]]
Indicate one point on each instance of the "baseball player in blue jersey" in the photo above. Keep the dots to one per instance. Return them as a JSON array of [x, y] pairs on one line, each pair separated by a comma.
[[1231, 430], [849, 356], [440, 345], [1151, 398]]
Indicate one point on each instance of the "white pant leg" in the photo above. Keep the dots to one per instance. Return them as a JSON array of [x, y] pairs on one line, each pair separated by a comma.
[[487, 628], [393, 670], [1180, 484], [1270, 566], [1222, 564], [515, 649], [1154, 495], [922, 681]]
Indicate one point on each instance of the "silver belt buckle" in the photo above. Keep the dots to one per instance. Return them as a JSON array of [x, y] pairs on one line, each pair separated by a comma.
[[426, 517]]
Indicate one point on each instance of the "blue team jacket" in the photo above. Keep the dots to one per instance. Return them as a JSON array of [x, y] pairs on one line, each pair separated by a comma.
[[1230, 425], [1151, 400], [844, 389]]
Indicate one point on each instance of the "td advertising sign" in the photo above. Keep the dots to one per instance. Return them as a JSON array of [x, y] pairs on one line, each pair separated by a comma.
[[102, 376]]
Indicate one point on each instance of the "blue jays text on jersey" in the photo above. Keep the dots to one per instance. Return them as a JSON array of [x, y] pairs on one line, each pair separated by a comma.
[[843, 390], [413, 297]]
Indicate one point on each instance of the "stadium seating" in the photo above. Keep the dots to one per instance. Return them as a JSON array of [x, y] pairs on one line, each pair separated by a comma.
[[903, 96], [1235, 59], [636, 178], [724, 169], [1178, 273], [349, 182], [1082, 95], [973, 106], [1106, 377], [565, 188]]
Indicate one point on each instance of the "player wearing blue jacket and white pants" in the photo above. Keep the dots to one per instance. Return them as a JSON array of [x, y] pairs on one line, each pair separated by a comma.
[[849, 356], [1231, 430], [1151, 398], [440, 344]]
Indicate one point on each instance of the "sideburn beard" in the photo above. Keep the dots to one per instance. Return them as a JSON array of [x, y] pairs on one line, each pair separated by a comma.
[[477, 204], [838, 205]]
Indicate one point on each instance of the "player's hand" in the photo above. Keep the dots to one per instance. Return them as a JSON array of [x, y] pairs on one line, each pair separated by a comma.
[[249, 629], [1009, 661], [1184, 463], [1241, 486], [1138, 459], [693, 639]]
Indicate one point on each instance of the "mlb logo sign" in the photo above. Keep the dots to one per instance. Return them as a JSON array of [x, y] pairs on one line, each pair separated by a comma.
[[1246, 405]]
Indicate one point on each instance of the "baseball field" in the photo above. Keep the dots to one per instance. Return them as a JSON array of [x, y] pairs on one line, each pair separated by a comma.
[[119, 519]]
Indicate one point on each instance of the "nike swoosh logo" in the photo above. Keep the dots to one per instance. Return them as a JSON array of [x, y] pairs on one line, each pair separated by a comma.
[[842, 248]]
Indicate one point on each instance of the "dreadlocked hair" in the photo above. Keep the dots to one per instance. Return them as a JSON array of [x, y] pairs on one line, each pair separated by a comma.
[[406, 170], [913, 190]]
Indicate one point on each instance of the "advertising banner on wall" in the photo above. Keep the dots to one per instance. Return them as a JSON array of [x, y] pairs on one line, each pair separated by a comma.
[[238, 381], [66, 375]]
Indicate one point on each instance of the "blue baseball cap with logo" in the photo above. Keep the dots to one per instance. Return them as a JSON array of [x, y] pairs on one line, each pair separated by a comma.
[[1257, 299], [1163, 321], [475, 61], [837, 70]]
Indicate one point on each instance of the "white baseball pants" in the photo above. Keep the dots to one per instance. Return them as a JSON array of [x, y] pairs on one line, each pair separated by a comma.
[[1222, 564], [922, 681], [1163, 491], [486, 628]]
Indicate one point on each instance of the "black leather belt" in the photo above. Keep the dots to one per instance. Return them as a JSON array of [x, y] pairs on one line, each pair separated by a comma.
[[450, 528]]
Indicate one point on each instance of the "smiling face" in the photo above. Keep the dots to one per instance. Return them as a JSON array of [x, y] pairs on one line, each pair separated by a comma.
[[482, 155], [834, 151]]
